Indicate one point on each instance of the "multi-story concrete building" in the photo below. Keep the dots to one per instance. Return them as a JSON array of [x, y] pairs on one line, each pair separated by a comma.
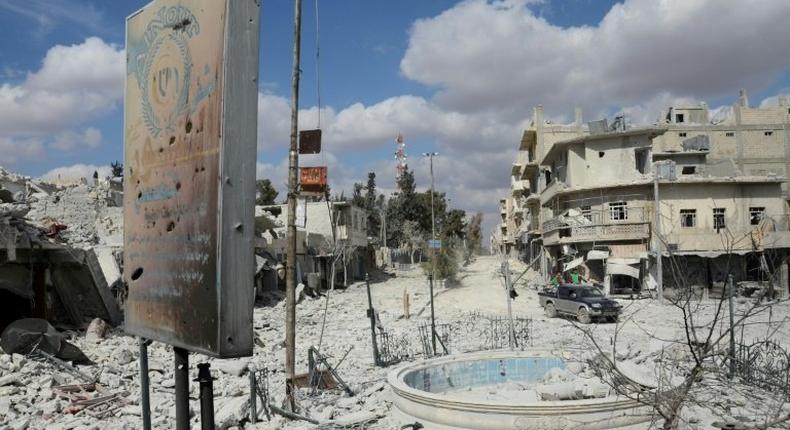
[[589, 199], [319, 242], [757, 140], [518, 233]]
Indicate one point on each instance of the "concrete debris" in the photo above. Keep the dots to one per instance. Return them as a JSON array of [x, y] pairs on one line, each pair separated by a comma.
[[231, 412], [34, 336], [66, 240], [9, 380], [355, 418], [97, 330], [231, 367]]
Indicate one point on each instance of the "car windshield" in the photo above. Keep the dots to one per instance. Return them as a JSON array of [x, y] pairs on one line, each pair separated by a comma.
[[591, 292]]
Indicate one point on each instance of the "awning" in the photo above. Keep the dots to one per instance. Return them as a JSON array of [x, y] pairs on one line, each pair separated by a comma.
[[597, 255], [576, 262], [625, 261], [710, 254], [638, 250], [621, 269]]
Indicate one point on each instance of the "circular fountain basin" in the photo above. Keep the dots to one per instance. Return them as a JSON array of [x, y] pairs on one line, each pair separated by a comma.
[[436, 393]]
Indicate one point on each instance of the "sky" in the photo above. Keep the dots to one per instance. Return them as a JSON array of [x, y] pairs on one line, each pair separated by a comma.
[[458, 78]]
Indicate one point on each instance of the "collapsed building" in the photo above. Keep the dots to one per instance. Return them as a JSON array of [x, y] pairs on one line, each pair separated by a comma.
[[327, 234], [587, 199], [60, 251]]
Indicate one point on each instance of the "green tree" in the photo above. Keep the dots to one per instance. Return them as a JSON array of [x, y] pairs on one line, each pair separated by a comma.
[[474, 233], [265, 194], [454, 226], [371, 206], [117, 169], [423, 211], [402, 207], [356, 198]]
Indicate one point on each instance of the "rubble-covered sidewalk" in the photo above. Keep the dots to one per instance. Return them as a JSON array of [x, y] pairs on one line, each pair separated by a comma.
[[33, 393]]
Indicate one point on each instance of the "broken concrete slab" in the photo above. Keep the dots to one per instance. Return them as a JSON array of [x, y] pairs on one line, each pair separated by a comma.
[[356, 418], [231, 412], [97, 330], [9, 380], [231, 367]]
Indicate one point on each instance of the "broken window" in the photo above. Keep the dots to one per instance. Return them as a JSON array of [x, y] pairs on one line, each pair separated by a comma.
[[718, 218], [682, 134], [618, 211], [680, 117], [769, 133], [730, 134], [689, 170], [640, 157], [688, 217], [756, 214], [587, 212]]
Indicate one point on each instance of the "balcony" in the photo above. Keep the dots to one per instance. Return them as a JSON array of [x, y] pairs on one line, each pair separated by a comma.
[[596, 226], [519, 187], [551, 191]]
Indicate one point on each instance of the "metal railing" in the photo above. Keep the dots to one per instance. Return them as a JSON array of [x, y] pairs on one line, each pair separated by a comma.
[[630, 223]]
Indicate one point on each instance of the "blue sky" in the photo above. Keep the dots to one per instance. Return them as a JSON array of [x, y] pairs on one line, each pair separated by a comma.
[[460, 78]]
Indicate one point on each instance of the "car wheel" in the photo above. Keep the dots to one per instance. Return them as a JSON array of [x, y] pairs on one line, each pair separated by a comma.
[[551, 311], [583, 315]]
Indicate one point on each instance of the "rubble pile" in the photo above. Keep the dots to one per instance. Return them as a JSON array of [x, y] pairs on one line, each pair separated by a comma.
[[92, 215]]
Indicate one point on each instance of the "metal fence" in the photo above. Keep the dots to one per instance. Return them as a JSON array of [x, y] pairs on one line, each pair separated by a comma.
[[475, 331], [766, 365]]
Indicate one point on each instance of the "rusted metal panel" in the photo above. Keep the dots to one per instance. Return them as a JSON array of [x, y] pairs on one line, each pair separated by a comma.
[[313, 179], [310, 141], [190, 159]]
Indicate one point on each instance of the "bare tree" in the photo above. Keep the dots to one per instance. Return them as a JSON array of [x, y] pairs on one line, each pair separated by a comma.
[[413, 237], [694, 370]]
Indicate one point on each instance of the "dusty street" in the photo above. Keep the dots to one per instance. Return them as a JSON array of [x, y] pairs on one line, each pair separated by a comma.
[[647, 328]]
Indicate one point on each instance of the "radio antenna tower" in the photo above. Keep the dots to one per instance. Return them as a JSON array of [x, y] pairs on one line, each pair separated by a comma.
[[400, 155]]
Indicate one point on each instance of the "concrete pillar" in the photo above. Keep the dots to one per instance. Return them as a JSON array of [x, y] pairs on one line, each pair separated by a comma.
[[705, 112], [743, 98], [738, 136], [784, 272], [538, 120]]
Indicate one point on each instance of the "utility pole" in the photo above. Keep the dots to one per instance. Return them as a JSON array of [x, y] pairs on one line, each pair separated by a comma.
[[508, 290], [657, 234], [731, 295], [293, 169], [434, 250], [664, 170]]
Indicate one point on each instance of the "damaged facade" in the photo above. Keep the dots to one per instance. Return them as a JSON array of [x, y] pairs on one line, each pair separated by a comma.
[[586, 199], [59, 251], [327, 233]]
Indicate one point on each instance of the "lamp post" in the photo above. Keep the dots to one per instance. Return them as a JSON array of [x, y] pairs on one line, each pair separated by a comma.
[[430, 156]]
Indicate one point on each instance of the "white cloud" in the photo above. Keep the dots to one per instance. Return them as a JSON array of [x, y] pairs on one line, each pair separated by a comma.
[[498, 55], [77, 171], [15, 150], [75, 84], [70, 140], [773, 101], [364, 127]]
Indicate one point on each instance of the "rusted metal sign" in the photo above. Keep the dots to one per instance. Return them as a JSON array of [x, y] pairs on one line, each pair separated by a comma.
[[189, 185], [310, 141], [313, 179]]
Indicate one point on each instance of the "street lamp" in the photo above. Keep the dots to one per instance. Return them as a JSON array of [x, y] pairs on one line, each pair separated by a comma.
[[430, 156]]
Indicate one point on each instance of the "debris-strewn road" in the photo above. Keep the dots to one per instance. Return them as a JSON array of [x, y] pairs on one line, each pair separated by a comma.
[[29, 399]]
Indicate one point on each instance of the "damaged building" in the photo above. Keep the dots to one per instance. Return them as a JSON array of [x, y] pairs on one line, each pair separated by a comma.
[[586, 201], [327, 233], [59, 251]]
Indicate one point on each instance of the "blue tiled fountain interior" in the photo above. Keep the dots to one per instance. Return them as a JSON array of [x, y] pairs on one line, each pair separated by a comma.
[[463, 374]]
